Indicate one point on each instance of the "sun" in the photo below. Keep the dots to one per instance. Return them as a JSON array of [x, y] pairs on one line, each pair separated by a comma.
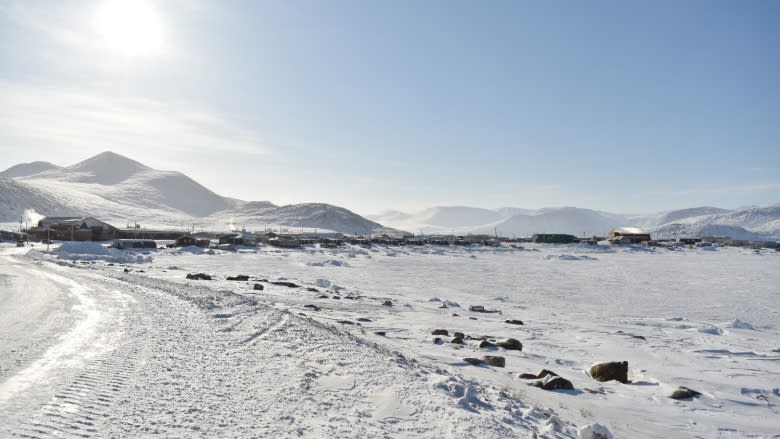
[[129, 27]]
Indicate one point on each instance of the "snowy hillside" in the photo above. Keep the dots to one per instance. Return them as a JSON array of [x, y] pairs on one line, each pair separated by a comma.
[[25, 169], [122, 191], [16, 198], [752, 223], [307, 215], [571, 220]]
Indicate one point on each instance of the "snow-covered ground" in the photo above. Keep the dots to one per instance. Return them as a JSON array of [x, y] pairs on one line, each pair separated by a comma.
[[149, 352]]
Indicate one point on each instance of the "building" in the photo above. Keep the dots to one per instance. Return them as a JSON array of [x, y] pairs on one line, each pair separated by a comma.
[[553, 238], [628, 235], [74, 229], [189, 240]]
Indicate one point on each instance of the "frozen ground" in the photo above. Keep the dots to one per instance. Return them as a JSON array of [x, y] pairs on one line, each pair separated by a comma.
[[150, 353]]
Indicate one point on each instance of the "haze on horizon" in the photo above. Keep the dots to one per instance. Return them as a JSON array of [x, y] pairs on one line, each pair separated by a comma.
[[406, 105]]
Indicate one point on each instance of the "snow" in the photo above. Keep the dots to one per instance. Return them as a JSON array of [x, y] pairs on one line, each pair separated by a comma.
[[704, 320]]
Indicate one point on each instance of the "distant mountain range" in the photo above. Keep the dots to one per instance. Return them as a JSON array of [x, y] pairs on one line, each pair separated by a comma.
[[119, 190], [122, 191], [751, 223]]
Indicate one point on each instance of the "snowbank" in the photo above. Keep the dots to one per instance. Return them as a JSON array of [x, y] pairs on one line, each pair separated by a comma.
[[94, 251]]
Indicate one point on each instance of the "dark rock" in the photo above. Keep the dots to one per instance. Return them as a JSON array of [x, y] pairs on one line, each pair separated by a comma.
[[312, 307], [616, 370], [313, 290], [345, 322], [480, 308], [487, 345], [459, 335], [258, 287], [387, 303], [286, 284], [438, 340], [455, 314], [511, 344], [494, 360], [514, 322], [198, 276], [363, 319], [540, 375], [381, 333], [684, 393], [440, 332], [473, 361], [457, 340], [240, 277], [323, 296], [555, 383], [111, 264], [472, 318], [337, 297], [128, 270]]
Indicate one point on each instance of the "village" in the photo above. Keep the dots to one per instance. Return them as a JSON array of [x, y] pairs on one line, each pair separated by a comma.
[[74, 228]]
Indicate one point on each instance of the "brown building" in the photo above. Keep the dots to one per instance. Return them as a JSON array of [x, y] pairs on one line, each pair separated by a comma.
[[628, 235], [74, 229]]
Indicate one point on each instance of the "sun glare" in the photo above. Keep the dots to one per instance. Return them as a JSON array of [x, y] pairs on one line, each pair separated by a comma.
[[129, 27]]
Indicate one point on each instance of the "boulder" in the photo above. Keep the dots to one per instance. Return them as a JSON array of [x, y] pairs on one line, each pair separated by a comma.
[[553, 382], [240, 277], [459, 335], [286, 284], [258, 287], [480, 308], [440, 332], [346, 322], [484, 344], [511, 344], [593, 431], [312, 307], [381, 333], [363, 319], [494, 360], [473, 361], [514, 322], [457, 340], [387, 303], [540, 375], [438, 340], [684, 393], [312, 289], [615, 370], [198, 276]]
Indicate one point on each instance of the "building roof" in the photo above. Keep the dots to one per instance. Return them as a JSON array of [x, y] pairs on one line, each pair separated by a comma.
[[629, 231]]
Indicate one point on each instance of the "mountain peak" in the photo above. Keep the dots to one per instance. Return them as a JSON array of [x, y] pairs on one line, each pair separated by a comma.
[[27, 169], [108, 168]]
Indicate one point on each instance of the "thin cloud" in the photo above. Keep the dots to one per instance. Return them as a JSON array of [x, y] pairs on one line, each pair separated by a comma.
[[40, 116]]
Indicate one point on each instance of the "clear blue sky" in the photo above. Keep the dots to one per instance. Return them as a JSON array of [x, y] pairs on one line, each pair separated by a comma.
[[625, 106]]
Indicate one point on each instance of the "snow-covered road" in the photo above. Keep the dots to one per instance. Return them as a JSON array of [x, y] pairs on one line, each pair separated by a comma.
[[132, 356]]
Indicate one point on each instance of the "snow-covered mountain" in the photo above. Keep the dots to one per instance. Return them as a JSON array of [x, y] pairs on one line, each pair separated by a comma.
[[25, 169], [16, 198], [571, 220], [751, 223], [121, 191], [306, 215]]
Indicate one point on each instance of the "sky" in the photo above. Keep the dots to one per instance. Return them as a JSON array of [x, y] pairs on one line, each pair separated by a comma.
[[624, 106]]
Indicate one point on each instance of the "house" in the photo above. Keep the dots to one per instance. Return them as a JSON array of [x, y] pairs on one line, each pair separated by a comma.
[[628, 235], [553, 238], [285, 242], [189, 240], [74, 229]]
